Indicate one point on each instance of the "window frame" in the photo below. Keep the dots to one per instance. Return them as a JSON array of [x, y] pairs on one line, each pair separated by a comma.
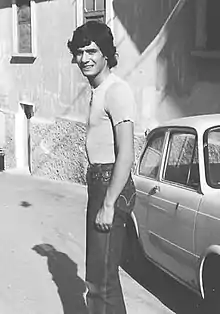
[[206, 156], [148, 138], [182, 130], [16, 55], [94, 14], [109, 13]]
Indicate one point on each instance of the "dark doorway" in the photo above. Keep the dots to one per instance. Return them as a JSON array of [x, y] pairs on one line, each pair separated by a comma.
[[213, 25]]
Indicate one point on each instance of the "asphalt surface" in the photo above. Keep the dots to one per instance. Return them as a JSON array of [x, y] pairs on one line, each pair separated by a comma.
[[42, 249]]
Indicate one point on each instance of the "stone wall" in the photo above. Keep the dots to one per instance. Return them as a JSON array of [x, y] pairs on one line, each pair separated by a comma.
[[9, 147], [58, 150]]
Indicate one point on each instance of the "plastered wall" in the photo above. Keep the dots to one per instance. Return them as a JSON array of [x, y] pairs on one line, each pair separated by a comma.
[[154, 40]]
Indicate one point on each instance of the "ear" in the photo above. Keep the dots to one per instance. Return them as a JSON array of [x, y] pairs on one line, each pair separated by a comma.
[[106, 60], [117, 55]]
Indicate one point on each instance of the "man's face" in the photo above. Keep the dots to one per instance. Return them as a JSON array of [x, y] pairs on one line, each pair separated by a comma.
[[91, 60]]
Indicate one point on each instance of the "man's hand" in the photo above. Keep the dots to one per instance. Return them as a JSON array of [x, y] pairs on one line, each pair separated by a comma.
[[104, 218]]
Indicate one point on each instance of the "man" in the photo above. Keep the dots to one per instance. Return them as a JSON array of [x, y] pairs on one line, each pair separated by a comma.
[[110, 151]]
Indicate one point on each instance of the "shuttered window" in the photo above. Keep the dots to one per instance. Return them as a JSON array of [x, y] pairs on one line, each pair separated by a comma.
[[24, 31], [94, 10], [24, 26]]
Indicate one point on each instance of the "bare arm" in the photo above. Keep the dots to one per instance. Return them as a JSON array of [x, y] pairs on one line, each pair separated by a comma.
[[123, 163], [125, 157]]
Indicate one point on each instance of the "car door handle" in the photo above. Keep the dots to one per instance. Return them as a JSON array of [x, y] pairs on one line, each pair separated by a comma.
[[154, 190], [177, 205]]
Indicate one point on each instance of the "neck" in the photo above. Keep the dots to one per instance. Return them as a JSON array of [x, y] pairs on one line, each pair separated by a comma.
[[101, 77]]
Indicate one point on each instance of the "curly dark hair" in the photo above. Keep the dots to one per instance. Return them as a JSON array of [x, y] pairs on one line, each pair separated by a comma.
[[97, 32]]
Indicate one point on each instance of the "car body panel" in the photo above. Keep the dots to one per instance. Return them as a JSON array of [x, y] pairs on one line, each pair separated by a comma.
[[207, 230], [166, 227], [141, 209], [176, 213]]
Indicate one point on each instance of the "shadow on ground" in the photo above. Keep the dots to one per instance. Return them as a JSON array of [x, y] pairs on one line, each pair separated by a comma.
[[173, 295], [70, 287]]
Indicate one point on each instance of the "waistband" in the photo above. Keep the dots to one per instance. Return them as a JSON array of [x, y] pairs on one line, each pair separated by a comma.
[[98, 167]]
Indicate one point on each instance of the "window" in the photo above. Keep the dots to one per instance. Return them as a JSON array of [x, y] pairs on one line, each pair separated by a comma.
[[212, 157], [182, 163], [151, 159], [94, 10], [207, 25], [23, 27]]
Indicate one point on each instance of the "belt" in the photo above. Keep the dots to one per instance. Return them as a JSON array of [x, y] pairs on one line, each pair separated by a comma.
[[100, 171], [98, 167]]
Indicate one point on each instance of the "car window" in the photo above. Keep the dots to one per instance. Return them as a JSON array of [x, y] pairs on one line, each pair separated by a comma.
[[213, 161], [182, 163], [151, 158]]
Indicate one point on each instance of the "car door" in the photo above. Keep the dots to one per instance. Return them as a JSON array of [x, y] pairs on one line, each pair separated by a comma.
[[173, 209], [146, 182]]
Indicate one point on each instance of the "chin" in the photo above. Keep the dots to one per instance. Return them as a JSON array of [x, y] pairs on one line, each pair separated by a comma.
[[89, 74]]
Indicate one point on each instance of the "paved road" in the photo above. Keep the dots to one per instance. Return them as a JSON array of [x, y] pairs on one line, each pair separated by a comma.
[[42, 244]]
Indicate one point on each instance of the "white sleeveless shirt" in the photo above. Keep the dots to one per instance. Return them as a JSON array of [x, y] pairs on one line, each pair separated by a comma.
[[112, 102]]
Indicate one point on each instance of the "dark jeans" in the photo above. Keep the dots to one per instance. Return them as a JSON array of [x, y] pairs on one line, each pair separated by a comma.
[[103, 249]]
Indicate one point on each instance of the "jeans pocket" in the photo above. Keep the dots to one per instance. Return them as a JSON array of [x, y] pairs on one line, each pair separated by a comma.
[[126, 199]]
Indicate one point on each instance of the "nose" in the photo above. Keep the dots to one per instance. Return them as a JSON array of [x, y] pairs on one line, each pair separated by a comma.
[[84, 57]]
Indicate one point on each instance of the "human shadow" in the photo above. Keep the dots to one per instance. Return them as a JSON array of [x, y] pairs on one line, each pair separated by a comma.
[[64, 274], [142, 19], [176, 56], [171, 293], [5, 4]]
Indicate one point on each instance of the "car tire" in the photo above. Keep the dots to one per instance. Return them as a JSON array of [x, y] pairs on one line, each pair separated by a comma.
[[209, 305], [211, 284]]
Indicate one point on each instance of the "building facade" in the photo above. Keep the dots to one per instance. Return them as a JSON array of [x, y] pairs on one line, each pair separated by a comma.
[[168, 52]]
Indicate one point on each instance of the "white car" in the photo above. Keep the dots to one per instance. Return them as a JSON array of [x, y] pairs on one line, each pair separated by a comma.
[[177, 210]]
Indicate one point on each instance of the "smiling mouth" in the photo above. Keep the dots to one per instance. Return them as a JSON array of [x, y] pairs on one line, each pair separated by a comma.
[[87, 67]]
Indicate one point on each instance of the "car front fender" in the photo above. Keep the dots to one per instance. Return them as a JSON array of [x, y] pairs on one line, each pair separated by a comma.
[[135, 223], [213, 249]]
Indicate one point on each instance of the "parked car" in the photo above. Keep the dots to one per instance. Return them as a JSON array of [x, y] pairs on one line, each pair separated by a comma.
[[177, 210]]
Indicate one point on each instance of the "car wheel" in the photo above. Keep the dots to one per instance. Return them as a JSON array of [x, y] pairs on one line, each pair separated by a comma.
[[134, 260], [211, 284]]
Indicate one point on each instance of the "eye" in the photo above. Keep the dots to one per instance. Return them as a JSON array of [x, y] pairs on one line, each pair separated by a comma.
[[78, 53], [91, 51]]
